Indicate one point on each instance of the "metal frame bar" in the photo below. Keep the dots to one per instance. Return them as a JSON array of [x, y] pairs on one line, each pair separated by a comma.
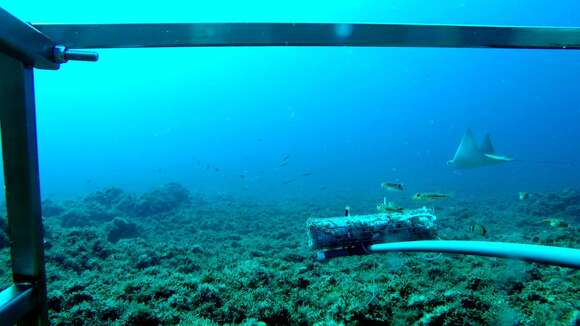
[[45, 46], [308, 34], [25, 229], [15, 302]]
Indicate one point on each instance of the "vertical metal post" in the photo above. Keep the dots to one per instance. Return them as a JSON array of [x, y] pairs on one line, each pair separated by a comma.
[[22, 187]]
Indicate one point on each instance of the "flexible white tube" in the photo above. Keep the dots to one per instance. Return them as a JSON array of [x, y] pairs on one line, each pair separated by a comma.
[[559, 256]]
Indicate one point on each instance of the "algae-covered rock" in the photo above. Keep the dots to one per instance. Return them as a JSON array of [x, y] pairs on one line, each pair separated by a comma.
[[86, 215], [141, 315], [95, 208], [145, 260], [253, 322], [51, 208], [107, 197], [566, 202], [83, 250], [163, 200], [113, 199], [121, 228]]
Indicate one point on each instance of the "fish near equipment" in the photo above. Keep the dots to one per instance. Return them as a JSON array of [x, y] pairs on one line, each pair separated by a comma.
[[415, 231]]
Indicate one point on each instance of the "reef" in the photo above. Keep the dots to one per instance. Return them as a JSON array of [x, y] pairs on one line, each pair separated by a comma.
[[163, 200], [169, 257], [121, 228], [108, 204], [562, 204]]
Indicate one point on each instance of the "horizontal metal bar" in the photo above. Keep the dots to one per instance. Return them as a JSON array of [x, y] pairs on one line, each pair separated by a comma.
[[15, 302], [21, 41], [308, 34]]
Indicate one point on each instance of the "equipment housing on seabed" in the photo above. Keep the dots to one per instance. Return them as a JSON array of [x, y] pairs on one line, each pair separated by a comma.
[[356, 231]]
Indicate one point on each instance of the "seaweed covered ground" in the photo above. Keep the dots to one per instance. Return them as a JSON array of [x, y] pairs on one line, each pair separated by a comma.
[[169, 257]]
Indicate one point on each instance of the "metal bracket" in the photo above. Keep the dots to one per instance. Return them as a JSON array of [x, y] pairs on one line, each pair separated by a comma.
[[25, 43]]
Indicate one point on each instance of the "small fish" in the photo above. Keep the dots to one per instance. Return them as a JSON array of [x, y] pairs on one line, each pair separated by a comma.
[[555, 223], [216, 169], [207, 166], [389, 207], [347, 211], [283, 164], [241, 176], [323, 187], [478, 228], [392, 207], [523, 195], [428, 196], [286, 157], [288, 181], [306, 174], [392, 186]]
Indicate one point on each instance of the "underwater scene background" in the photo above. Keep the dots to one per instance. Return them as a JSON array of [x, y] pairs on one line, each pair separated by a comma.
[[177, 183]]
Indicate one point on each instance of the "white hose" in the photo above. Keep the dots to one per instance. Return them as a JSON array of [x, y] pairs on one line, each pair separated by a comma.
[[559, 256]]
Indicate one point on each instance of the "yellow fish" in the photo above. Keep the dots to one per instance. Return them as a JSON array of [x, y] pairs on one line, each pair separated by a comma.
[[429, 196], [555, 223], [392, 186], [386, 207]]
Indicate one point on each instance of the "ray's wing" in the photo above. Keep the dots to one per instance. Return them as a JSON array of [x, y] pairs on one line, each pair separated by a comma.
[[487, 146], [467, 148]]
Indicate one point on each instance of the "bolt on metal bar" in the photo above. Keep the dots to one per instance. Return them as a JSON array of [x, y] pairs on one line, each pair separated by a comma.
[[22, 186]]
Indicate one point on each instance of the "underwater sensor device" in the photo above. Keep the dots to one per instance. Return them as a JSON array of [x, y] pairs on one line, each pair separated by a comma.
[[356, 232], [415, 231]]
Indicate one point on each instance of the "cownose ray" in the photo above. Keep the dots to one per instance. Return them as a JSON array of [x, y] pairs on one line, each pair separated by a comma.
[[469, 155]]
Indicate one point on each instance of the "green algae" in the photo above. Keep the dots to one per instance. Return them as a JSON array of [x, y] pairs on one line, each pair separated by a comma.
[[215, 261]]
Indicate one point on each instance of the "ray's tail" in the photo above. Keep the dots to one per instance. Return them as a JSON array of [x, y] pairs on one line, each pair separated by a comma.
[[559, 163]]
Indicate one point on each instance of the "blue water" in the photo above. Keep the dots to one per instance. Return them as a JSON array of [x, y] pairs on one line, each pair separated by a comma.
[[351, 117]]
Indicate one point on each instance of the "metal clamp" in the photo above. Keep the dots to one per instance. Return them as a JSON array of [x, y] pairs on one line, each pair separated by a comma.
[[62, 54]]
